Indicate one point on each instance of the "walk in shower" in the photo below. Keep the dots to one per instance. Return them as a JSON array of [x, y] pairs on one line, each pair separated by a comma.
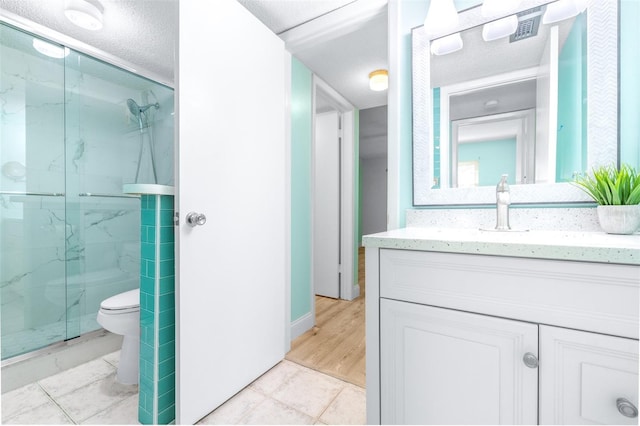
[[73, 130]]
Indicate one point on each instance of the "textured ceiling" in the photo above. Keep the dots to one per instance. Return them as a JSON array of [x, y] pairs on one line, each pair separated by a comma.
[[283, 15], [142, 33], [346, 61], [346, 56]]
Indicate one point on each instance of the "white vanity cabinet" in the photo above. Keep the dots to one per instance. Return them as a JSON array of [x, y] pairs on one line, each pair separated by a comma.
[[440, 366], [587, 378], [456, 338]]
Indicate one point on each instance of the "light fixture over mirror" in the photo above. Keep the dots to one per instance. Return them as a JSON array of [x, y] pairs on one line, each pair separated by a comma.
[[86, 14], [442, 18], [563, 9], [445, 45], [500, 28]]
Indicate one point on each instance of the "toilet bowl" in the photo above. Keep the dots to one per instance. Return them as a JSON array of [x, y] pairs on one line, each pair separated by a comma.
[[120, 314]]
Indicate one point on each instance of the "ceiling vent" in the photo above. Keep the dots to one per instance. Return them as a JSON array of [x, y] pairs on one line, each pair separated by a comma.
[[528, 23]]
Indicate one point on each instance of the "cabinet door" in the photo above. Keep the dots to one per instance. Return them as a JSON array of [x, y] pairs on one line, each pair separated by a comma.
[[582, 376], [440, 366]]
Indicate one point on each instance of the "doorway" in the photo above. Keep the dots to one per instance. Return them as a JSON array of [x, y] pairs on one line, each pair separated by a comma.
[[333, 217]]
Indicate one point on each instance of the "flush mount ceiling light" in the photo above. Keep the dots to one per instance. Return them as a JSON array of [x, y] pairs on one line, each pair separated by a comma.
[[442, 18], [48, 49], [445, 45], [86, 14], [500, 28], [563, 9], [379, 80]]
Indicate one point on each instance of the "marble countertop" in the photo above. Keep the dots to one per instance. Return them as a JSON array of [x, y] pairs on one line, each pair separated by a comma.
[[561, 245]]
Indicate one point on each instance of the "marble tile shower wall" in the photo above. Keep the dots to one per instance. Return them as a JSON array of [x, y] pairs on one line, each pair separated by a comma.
[[66, 121]]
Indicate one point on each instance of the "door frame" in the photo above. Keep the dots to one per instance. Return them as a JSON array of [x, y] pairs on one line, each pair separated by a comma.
[[348, 289]]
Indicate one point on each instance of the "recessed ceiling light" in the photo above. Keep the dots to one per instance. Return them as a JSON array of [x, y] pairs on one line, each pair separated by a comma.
[[49, 49], [84, 13]]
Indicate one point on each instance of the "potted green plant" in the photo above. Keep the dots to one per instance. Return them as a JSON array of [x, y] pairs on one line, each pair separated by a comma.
[[617, 192]]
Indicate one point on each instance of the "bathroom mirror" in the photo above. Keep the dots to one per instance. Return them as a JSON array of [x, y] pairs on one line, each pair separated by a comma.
[[540, 109]]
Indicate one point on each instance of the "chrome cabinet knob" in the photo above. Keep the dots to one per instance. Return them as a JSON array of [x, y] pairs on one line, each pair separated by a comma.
[[530, 360], [626, 408], [195, 219]]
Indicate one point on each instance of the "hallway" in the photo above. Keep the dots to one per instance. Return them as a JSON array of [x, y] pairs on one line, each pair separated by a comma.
[[336, 346]]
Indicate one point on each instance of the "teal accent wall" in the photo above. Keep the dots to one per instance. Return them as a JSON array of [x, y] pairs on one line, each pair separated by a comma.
[[436, 137], [156, 404], [630, 82], [495, 158], [571, 152], [301, 202]]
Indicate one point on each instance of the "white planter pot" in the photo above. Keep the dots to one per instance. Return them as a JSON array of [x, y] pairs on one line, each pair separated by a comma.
[[619, 219]]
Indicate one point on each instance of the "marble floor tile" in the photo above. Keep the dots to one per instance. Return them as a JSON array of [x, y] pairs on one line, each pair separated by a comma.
[[348, 408], [122, 413], [287, 394], [113, 358], [77, 377], [235, 409], [309, 391], [270, 381], [22, 399], [46, 414], [272, 412], [95, 397]]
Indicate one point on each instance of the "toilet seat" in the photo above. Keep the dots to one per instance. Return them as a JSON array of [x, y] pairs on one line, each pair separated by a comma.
[[122, 303]]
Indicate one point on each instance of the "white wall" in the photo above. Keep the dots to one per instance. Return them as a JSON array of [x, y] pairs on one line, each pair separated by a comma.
[[374, 194], [373, 169]]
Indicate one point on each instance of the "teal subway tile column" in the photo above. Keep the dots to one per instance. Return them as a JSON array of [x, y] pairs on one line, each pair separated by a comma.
[[157, 305]]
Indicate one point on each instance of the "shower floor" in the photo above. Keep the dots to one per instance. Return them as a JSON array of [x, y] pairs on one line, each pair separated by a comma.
[[22, 341]]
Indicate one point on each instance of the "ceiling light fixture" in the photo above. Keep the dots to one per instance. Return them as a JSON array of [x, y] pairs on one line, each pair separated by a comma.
[[500, 28], [563, 9], [445, 45], [48, 49], [379, 80], [442, 18], [86, 14]]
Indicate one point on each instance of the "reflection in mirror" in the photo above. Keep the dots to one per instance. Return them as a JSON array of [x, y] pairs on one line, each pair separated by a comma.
[[540, 106], [507, 85]]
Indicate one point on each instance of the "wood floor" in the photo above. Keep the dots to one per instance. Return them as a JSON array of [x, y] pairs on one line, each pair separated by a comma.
[[336, 346]]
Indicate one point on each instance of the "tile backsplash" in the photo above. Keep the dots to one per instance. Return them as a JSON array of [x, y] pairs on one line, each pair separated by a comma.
[[547, 219]]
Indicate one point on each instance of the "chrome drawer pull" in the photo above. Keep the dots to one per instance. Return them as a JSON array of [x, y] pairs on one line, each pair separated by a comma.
[[626, 408]]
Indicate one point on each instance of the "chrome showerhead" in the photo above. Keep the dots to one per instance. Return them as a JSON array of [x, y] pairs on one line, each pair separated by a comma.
[[136, 109]]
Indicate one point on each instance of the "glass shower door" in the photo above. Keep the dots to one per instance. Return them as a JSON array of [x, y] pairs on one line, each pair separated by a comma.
[[32, 187]]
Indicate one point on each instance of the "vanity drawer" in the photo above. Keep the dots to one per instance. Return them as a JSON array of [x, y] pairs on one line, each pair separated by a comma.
[[597, 297]]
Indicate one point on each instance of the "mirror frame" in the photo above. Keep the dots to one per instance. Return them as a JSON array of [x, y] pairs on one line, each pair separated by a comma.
[[602, 113]]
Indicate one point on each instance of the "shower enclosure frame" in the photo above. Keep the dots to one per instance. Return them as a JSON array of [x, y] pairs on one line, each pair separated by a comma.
[[24, 25]]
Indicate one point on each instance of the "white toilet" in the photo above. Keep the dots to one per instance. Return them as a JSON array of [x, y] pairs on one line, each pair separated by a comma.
[[120, 314]]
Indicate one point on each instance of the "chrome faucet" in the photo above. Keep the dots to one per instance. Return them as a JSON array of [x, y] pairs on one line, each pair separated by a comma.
[[503, 199]]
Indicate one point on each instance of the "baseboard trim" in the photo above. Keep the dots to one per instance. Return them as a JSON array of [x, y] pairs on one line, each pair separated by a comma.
[[301, 325]]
